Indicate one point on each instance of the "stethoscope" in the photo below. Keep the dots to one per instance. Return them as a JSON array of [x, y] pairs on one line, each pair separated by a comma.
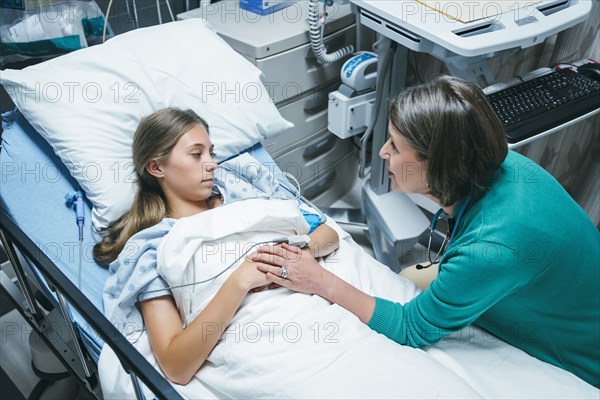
[[448, 238]]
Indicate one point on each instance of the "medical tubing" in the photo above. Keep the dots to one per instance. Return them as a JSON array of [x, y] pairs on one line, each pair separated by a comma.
[[79, 213], [80, 264], [170, 10], [285, 184], [76, 200], [130, 12], [106, 20], [316, 37], [378, 98], [158, 12], [297, 195]]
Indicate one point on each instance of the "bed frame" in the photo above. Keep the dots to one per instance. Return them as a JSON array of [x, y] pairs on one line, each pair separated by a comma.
[[28, 294]]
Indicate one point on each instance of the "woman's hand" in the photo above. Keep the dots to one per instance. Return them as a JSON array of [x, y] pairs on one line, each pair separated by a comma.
[[304, 273], [249, 277]]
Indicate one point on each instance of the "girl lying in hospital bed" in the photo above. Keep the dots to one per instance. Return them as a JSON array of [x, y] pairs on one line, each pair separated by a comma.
[[173, 154]]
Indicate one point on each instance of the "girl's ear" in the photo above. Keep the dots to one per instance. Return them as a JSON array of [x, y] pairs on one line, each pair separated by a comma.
[[154, 169]]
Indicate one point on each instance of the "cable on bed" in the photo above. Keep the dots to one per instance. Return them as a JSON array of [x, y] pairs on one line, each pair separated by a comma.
[[293, 240]]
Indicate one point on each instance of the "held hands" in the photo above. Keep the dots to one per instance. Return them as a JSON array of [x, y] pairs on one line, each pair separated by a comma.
[[249, 277], [304, 273]]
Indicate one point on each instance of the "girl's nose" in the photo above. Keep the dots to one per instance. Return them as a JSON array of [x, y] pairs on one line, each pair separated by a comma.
[[211, 165]]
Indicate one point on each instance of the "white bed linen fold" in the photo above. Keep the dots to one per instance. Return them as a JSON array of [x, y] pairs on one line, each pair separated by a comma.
[[290, 345]]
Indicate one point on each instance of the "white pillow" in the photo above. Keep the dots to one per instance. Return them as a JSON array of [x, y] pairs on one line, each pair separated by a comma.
[[87, 104]]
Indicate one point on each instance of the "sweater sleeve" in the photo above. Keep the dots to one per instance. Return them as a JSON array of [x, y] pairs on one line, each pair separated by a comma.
[[472, 279]]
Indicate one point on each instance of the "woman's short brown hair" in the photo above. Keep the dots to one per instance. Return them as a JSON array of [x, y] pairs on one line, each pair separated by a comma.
[[451, 126]]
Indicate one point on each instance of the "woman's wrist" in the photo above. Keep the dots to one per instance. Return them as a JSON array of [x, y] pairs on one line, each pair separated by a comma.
[[325, 286]]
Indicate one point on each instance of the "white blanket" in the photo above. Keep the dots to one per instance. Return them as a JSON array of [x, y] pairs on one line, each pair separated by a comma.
[[290, 345]]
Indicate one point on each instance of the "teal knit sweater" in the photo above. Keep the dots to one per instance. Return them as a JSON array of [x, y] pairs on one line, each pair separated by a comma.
[[524, 265]]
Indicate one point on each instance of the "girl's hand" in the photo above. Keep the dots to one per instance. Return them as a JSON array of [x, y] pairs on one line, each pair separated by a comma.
[[304, 273], [265, 287], [249, 277]]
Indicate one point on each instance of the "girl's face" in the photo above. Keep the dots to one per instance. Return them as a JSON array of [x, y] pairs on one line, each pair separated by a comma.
[[406, 172], [187, 175]]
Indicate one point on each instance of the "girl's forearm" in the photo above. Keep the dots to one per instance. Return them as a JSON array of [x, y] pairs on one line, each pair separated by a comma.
[[190, 348], [323, 241]]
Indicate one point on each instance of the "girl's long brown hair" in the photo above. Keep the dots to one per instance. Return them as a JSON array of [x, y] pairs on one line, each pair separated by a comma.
[[154, 139]]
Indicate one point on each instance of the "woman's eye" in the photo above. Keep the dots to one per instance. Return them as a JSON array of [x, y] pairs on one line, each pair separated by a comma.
[[196, 155], [213, 155]]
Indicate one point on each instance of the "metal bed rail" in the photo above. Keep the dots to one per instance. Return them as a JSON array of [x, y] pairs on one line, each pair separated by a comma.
[[68, 347]]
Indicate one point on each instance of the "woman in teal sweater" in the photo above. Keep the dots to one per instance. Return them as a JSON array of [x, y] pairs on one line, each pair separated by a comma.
[[522, 260]]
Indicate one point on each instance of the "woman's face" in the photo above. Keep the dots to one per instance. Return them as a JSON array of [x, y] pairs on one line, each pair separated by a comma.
[[187, 175], [406, 172]]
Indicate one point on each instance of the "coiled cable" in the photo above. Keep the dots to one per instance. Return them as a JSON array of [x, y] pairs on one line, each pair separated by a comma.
[[316, 28]]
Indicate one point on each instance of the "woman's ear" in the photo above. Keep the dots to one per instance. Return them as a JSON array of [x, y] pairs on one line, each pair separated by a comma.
[[154, 169]]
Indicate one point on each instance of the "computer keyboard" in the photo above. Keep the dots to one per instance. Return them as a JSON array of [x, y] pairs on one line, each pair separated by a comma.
[[537, 105]]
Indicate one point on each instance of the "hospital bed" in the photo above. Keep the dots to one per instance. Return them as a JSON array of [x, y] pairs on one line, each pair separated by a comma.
[[39, 232], [40, 235]]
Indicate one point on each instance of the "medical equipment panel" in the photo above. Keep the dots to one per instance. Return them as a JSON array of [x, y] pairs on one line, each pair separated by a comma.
[[263, 7], [255, 36], [420, 28], [464, 48], [279, 45]]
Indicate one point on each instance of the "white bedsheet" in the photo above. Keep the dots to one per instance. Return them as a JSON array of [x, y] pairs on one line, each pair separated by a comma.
[[290, 345]]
